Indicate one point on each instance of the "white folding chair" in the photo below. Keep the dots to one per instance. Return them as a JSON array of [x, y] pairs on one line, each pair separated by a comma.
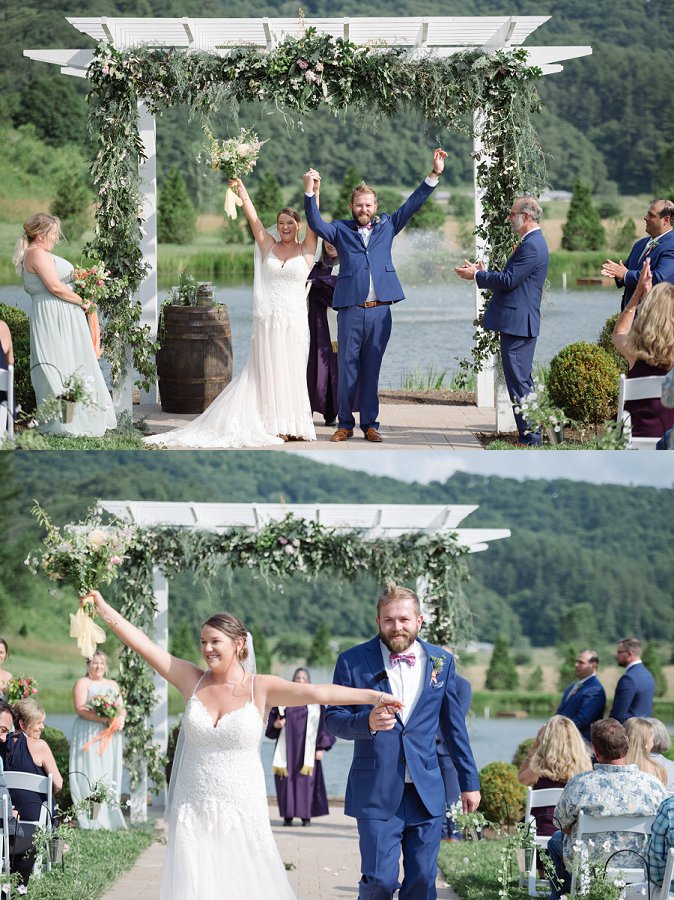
[[589, 825], [646, 388], [7, 409], [668, 880], [39, 784], [536, 799], [4, 840]]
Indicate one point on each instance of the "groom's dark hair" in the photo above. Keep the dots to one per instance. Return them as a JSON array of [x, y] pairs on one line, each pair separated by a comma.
[[362, 188], [393, 592]]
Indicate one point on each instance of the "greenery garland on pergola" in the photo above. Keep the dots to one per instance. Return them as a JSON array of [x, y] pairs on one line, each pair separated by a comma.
[[297, 76], [281, 549]]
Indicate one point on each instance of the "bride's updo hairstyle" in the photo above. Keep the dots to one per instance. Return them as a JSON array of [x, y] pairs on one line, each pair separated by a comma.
[[232, 627], [40, 223]]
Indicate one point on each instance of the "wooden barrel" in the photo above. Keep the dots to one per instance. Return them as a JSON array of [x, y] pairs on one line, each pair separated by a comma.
[[194, 362]]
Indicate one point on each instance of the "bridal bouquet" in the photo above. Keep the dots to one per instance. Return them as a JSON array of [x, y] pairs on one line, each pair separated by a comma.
[[234, 157], [92, 284], [86, 556], [21, 687]]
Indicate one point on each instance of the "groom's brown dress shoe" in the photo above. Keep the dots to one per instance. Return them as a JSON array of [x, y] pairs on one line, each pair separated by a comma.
[[373, 435], [342, 434]]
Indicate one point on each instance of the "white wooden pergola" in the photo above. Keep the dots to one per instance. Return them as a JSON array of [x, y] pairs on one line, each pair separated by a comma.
[[373, 520], [442, 36]]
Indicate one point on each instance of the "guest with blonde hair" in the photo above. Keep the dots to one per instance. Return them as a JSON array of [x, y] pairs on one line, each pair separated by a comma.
[[60, 342], [662, 741], [641, 736], [558, 753]]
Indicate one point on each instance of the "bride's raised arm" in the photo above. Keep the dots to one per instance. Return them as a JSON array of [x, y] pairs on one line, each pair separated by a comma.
[[261, 235], [279, 692], [311, 181], [179, 672]]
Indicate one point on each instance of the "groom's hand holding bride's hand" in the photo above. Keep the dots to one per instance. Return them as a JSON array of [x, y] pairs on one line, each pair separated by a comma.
[[383, 716], [439, 157], [468, 269], [312, 181]]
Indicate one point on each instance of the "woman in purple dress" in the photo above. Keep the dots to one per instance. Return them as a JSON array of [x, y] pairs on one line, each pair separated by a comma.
[[301, 740], [322, 364]]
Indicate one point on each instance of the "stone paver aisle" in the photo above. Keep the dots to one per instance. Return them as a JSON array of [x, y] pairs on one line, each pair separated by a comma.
[[325, 855]]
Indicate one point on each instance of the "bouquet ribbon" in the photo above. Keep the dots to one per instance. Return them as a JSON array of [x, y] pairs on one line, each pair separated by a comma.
[[104, 737], [95, 330], [232, 200], [87, 633]]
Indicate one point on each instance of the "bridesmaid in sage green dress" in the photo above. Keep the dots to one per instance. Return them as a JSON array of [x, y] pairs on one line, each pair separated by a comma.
[[60, 342]]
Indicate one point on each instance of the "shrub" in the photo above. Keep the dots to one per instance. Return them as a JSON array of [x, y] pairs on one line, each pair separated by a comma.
[[583, 380], [583, 229], [20, 329], [503, 797], [522, 752], [71, 205], [535, 679], [176, 216], [501, 674], [60, 747], [607, 344]]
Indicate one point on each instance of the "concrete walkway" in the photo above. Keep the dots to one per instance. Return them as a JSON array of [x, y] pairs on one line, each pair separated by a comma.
[[325, 857], [404, 426]]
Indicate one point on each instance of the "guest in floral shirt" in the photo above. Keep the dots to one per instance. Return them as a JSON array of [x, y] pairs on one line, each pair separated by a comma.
[[611, 788]]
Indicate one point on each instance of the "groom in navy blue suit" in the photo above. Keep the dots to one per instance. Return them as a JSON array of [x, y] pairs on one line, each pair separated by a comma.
[[395, 788], [367, 286], [658, 247], [515, 306]]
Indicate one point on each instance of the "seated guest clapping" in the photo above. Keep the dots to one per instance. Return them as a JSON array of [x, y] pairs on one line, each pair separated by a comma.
[[558, 753], [646, 340], [612, 788]]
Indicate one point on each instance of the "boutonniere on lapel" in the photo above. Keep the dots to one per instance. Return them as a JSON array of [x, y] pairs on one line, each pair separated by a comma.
[[516, 245], [437, 665], [375, 220]]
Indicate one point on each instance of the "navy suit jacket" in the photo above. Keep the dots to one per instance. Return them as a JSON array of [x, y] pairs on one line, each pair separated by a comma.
[[662, 264], [377, 776], [465, 694], [356, 261], [585, 706], [515, 305], [634, 694]]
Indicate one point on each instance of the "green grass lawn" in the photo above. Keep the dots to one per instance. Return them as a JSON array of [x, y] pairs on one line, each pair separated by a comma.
[[471, 868], [96, 860]]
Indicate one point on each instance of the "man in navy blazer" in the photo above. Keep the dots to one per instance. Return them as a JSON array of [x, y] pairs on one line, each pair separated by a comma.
[[514, 309], [635, 691], [658, 247], [584, 701], [395, 788], [366, 288]]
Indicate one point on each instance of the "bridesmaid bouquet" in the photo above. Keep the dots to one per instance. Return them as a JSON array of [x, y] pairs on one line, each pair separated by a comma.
[[93, 285], [21, 687], [235, 157], [107, 706], [86, 556]]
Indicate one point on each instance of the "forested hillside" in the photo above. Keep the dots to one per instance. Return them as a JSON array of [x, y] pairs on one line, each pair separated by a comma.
[[572, 543], [605, 119]]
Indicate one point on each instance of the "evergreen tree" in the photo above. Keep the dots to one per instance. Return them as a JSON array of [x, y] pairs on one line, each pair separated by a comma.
[[567, 668], [268, 199], [181, 641], [583, 229], [352, 178], [625, 236], [71, 205], [502, 674], [320, 652], [431, 217], [262, 649], [651, 659], [176, 216], [535, 679]]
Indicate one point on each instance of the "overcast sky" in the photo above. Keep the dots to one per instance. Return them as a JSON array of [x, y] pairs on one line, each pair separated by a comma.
[[599, 467]]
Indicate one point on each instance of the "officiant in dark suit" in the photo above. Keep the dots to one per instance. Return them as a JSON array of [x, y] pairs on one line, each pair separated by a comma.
[[514, 309], [584, 700], [367, 286]]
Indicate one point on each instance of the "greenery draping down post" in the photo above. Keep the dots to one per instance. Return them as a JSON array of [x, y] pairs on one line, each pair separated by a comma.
[[296, 77], [277, 551]]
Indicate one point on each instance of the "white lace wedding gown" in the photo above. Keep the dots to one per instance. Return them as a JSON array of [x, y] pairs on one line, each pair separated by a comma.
[[220, 843], [270, 396]]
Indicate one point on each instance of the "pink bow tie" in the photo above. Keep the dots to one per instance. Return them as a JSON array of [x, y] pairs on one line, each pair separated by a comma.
[[368, 227], [397, 658]]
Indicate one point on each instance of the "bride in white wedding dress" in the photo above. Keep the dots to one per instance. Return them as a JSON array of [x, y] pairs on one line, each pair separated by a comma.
[[220, 843], [268, 403]]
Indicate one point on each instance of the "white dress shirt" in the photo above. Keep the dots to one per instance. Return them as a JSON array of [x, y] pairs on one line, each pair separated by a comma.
[[407, 682]]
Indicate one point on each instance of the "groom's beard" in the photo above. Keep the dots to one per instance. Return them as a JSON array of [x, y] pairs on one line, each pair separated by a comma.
[[400, 642], [363, 219]]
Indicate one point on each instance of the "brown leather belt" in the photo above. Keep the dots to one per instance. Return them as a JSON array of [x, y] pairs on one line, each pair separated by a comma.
[[369, 303]]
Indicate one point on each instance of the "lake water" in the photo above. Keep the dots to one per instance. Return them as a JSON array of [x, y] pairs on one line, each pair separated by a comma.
[[432, 327], [492, 740]]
